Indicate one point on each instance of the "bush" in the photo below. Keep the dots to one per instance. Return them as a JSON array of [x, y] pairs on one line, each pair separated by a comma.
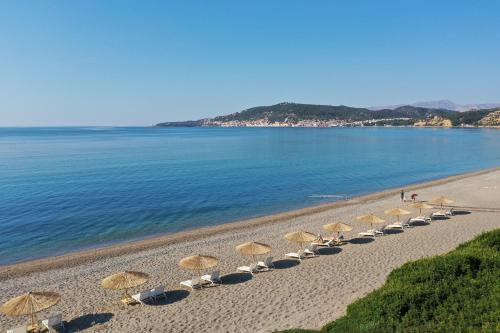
[[455, 292]]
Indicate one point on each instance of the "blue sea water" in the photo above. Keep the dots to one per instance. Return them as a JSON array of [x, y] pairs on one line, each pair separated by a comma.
[[66, 189]]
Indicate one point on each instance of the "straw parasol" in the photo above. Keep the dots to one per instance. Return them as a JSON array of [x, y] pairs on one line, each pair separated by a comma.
[[397, 212], [198, 262], [30, 303], [253, 249], [125, 280], [337, 227], [420, 206], [370, 218], [442, 201], [301, 236]]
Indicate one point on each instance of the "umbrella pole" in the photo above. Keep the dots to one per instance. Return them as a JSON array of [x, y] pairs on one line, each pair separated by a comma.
[[32, 315]]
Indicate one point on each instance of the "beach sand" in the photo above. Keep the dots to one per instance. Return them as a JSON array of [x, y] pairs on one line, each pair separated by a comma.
[[294, 295]]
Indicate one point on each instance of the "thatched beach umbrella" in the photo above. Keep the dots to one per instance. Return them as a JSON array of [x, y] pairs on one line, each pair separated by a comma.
[[370, 218], [301, 237], [125, 280], [337, 227], [253, 249], [198, 262], [30, 304], [420, 206], [397, 212], [442, 201]]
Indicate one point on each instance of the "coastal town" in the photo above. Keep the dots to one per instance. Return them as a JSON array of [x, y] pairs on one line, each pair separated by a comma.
[[265, 122]]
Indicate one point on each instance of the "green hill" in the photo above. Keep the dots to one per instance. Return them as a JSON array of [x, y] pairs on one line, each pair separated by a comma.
[[292, 113], [282, 111], [455, 292]]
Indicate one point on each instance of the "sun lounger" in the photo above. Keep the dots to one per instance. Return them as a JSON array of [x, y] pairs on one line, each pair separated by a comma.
[[142, 296], [194, 283], [248, 269], [266, 265], [19, 329], [398, 225], [420, 219], [295, 255], [157, 293], [395, 226], [311, 250], [324, 243], [213, 278], [368, 233], [438, 215], [53, 322]]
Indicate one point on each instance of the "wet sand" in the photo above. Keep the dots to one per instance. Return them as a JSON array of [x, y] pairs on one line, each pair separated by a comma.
[[304, 294]]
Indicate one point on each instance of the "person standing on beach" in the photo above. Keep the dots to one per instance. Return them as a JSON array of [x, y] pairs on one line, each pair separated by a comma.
[[402, 195]]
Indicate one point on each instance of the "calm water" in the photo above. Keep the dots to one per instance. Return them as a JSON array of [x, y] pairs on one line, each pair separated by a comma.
[[65, 189]]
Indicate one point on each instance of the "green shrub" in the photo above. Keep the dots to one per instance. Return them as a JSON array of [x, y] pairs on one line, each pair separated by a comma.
[[455, 292]]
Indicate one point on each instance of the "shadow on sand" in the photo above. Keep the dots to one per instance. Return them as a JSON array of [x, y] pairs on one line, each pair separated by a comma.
[[440, 218], [285, 263], [235, 278], [360, 240], [329, 250], [87, 321], [392, 231], [172, 296], [461, 212], [419, 224]]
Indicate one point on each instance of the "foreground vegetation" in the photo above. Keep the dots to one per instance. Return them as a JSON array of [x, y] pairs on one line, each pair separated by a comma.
[[455, 292]]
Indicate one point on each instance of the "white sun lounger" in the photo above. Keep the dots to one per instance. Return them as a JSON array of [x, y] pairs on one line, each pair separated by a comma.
[[421, 219], [371, 233], [398, 225], [266, 264], [438, 215], [194, 283], [395, 226], [248, 269], [295, 255], [142, 296], [158, 292], [328, 243], [213, 278], [19, 329], [311, 250], [53, 322]]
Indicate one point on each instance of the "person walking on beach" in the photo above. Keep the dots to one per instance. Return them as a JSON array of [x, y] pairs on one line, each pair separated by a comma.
[[402, 195]]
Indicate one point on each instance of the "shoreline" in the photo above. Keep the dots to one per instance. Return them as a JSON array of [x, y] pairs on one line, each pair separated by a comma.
[[91, 255]]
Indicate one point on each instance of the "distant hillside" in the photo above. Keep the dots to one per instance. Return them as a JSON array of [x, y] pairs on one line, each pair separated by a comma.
[[442, 104], [293, 111], [311, 115]]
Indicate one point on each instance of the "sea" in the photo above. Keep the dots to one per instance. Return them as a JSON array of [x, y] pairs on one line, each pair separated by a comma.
[[73, 188]]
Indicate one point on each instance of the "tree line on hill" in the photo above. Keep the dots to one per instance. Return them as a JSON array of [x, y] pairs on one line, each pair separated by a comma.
[[294, 112]]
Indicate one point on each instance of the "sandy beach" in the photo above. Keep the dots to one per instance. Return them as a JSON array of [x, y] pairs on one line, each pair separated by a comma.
[[304, 294]]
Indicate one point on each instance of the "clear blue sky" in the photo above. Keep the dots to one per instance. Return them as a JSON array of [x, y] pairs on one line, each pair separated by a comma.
[[140, 62]]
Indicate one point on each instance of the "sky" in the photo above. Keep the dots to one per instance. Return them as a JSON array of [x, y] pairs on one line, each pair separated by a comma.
[[134, 63]]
